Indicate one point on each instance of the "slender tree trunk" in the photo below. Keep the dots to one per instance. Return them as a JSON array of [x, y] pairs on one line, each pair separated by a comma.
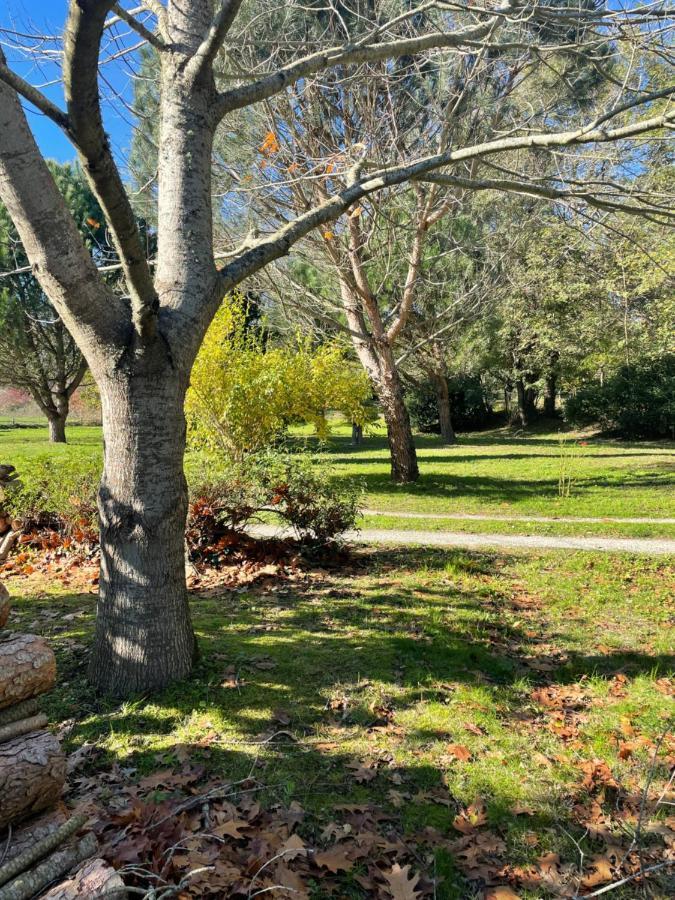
[[57, 427], [444, 410], [357, 435], [144, 636], [550, 396]]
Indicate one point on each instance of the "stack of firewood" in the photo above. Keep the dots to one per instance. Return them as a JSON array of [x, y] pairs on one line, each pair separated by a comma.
[[9, 529], [44, 847]]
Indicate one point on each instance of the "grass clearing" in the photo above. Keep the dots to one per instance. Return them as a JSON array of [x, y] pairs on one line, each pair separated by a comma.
[[396, 663], [494, 473]]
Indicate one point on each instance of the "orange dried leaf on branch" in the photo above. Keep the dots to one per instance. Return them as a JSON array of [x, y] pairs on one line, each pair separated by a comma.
[[270, 144]]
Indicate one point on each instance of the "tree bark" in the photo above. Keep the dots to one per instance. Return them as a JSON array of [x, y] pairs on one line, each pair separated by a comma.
[[27, 668], [24, 838], [57, 427], [22, 726], [95, 879], [404, 468], [144, 636], [447, 432], [22, 710], [41, 848], [30, 883], [32, 775], [525, 407]]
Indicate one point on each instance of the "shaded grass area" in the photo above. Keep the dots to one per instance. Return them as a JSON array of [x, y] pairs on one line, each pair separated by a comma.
[[499, 473], [394, 661]]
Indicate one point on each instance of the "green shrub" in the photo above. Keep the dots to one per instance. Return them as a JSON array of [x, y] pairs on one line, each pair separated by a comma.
[[637, 402], [57, 492], [60, 493], [306, 498], [299, 492]]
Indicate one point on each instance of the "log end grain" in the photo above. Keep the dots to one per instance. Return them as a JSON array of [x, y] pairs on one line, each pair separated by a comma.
[[27, 668], [32, 775]]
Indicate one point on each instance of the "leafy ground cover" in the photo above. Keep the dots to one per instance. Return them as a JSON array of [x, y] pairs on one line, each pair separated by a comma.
[[407, 725]]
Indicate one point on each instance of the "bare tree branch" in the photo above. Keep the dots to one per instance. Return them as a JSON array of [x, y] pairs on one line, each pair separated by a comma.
[[34, 96], [209, 47], [138, 27], [82, 41]]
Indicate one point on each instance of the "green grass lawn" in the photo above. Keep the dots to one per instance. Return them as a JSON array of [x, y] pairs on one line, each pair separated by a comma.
[[434, 670], [493, 473]]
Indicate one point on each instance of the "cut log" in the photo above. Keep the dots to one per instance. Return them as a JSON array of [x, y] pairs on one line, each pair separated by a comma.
[[22, 726], [32, 775], [95, 879], [5, 605], [40, 849], [24, 837], [30, 883], [21, 711], [27, 668]]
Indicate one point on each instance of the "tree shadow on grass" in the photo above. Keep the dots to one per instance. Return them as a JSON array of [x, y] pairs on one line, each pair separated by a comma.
[[333, 667]]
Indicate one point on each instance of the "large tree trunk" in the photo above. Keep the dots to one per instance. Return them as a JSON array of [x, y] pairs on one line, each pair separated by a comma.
[[447, 432], [57, 427], [144, 636]]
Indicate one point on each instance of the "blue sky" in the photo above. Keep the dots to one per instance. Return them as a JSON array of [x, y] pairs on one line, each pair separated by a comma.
[[46, 17]]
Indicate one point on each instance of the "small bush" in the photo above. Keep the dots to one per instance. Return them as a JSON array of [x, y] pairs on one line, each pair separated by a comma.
[[289, 485], [637, 402], [59, 493], [306, 498]]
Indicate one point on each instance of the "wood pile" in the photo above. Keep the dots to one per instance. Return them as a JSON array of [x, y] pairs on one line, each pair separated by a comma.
[[39, 845], [9, 529]]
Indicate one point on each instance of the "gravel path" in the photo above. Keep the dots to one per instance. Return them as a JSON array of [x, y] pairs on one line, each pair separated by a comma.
[[483, 517], [647, 546]]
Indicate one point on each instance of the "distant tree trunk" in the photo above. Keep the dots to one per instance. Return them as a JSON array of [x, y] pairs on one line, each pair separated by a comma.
[[404, 468], [507, 399], [550, 395], [447, 432], [357, 435], [377, 357], [522, 409], [57, 427]]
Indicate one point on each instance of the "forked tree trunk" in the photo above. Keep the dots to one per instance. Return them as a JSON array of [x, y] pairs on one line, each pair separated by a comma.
[[144, 636], [447, 432], [57, 427]]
